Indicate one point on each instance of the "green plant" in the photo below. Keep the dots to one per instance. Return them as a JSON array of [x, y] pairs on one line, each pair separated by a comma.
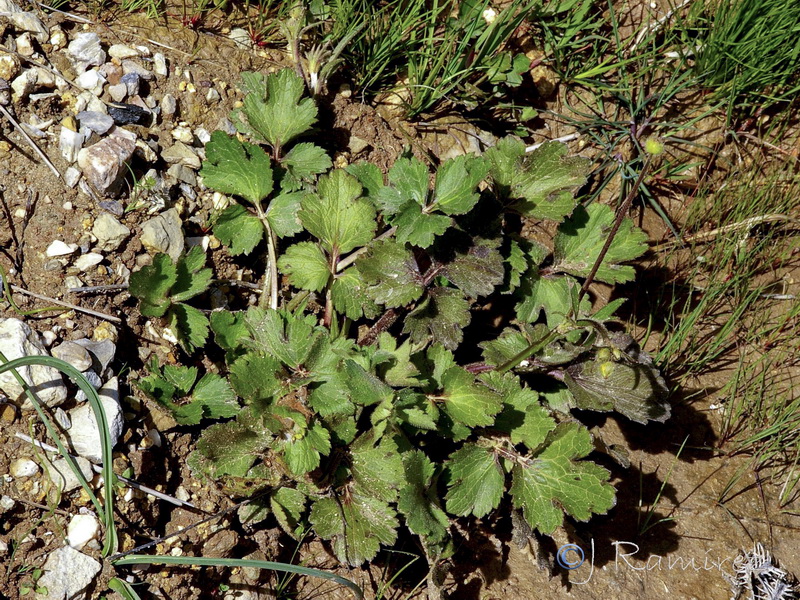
[[105, 509], [163, 288], [748, 51], [423, 55], [356, 433]]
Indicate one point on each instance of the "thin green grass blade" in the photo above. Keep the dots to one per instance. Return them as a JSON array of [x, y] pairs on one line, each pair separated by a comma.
[[106, 513], [143, 559]]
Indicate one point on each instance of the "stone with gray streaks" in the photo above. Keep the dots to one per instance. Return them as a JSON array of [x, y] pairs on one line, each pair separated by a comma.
[[103, 163], [67, 574]]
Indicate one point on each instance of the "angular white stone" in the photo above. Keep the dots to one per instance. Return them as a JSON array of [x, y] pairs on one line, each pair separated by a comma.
[[70, 143], [85, 434], [91, 80], [87, 261], [81, 530], [17, 339], [67, 573], [74, 354], [103, 163], [85, 50], [58, 248], [120, 51], [110, 233], [23, 467], [163, 234]]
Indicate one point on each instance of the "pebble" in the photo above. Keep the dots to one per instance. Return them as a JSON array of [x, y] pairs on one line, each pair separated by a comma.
[[169, 106], [118, 92], [183, 173], [101, 348], [182, 133], [86, 51], [72, 175], [58, 39], [48, 337], [181, 153], [129, 114], [26, 21], [131, 81], [120, 51], [131, 66], [6, 503], [74, 354], [23, 467], [113, 73], [212, 96], [92, 81], [160, 65], [9, 67], [67, 573], [98, 122], [25, 45], [241, 38], [59, 248], [3, 548], [103, 163], [84, 433], [72, 281], [67, 205], [163, 234], [8, 413], [24, 84], [203, 135], [110, 233], [81, 530], [62, 476], [17, 339], [87, 261]]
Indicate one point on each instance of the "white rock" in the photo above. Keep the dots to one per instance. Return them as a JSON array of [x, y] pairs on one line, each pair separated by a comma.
[[86, 51], [241, 38], [81, 530], [131, 66], [67, 574], [59, 248], [110, 233], [23, 467], [71, 282], [9, 67], [63, 477], [203, 135], [183, 133], [48, 337], [17, 339], [6, 503], [103, 163], [88, 260], [103, 350], [212, 96], [74, 354], [72, 175], [58, 38], [70, 143], [85, 434], [118, 92], [24, 84], [163, 234], [160, 65], [120, 51], [169, 105], [183, 154], [98, 122], [91, 80], [28, 21], [25, 44], [3, 548]]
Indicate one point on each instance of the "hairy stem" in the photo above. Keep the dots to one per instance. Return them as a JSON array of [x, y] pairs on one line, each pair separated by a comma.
[[269, 296]]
